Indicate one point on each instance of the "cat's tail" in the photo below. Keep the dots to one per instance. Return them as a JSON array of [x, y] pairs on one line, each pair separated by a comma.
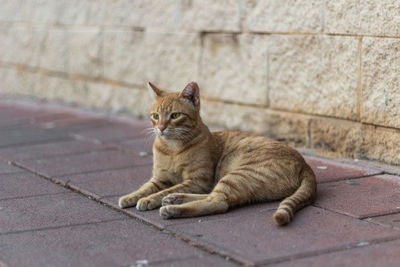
[[303, 196]]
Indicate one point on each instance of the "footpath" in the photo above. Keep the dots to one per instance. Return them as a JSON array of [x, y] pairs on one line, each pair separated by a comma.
[[62, 171]]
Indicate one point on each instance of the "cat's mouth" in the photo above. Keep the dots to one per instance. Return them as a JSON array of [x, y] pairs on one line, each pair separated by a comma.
[[163, 134]]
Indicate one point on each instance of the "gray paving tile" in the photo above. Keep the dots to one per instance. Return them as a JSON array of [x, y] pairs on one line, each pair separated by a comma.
[[116, 243], [139, 145], [111, 182], [51, 211], [50, 149], [96, 160], [255, 238], [328, 170], [113, 131], [383, 254], [154, 217], [391, 220], [25, 184], [361, 198], [8, 168], [19, 137]]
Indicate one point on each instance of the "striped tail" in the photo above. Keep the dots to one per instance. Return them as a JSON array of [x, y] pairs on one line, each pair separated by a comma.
[[303, 196]]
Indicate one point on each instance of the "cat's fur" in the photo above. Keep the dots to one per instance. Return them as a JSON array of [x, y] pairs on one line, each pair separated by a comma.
[[196, 172]]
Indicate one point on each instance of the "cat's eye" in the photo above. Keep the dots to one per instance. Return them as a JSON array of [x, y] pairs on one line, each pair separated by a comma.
[[175, 115], [155, 116]]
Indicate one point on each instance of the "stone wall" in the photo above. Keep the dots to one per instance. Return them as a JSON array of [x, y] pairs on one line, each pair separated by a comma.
[[317, 74]]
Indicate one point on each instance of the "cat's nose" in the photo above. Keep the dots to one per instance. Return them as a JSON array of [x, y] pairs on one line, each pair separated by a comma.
[[162, 127]]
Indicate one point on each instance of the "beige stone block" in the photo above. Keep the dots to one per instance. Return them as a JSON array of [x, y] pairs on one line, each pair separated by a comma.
[[96, 95], [33, 11], [283, 16], [85, 51], [210, 15], [20, 44], [124, 55], [18, 83], [380, 102], [233, 67], [92, 12], [363, 17], [130, 100], [93, 95], [171, 59], [159, 13], [118, 12], [283, 126], [61, 89], [10, 10], [380, 144], [314, 74], [138, 12], [40, 11], [340, 137], [78, 12], [54, 53]]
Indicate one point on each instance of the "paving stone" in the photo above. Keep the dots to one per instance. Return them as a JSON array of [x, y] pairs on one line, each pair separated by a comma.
[[87, 162], [117, 243], [153, 216], [8, 168], [18, 137], [111, 182], [196, 262], [383, 254], [142, 146], [361, 198], [391, 220], [26, 184], [328, 170], [28, 119], [50, 149], [27, 116], [74, 125], [50, 211], [256, 239], [9, 112], [113, 131]]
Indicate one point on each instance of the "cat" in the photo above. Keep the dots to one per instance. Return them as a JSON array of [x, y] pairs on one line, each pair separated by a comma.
[[196, 172]]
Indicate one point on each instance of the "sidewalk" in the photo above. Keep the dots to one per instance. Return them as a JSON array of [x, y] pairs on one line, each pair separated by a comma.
[[63, 170]]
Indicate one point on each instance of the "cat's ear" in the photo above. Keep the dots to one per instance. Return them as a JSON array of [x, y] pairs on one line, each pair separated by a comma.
[[154, 90], [192, 93]]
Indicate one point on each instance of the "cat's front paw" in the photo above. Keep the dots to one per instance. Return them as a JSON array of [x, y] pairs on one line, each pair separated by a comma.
[[172, 199], [168, 212], [127, 201], [147, 204]]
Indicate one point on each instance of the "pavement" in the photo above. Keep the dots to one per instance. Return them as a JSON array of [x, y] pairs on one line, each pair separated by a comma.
[[62, 171]]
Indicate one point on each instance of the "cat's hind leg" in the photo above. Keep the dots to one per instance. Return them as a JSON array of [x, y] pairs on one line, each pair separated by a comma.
[[180, 198], [212, 204]]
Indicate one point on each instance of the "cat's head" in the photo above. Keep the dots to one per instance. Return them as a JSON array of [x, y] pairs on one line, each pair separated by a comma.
[[175, 115]]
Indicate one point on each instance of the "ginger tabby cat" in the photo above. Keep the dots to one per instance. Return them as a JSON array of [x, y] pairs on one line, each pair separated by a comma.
[[197, 172]]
